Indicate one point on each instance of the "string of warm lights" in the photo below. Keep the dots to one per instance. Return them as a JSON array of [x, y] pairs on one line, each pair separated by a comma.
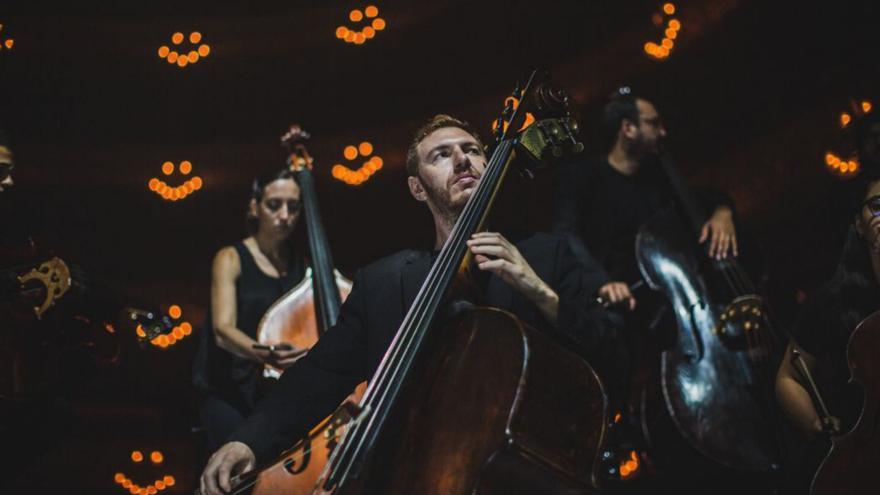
[[661, 49], [183, 57], [7, 43], [175, 193], [163, 483], [369, 16], [837, 164], [178, 333], [357, 177]]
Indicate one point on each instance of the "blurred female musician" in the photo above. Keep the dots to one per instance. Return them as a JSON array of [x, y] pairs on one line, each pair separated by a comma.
[[247, 278], [823, 330]]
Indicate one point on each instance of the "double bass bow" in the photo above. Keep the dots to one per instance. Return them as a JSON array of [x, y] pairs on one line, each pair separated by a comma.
[[481, 403], [717, 378], [300, 317]]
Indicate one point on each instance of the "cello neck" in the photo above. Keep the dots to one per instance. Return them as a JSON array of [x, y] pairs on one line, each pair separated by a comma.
[[327, 298]]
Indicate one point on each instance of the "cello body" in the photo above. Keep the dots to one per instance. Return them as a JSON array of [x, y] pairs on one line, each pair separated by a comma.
[[495, 407], [714, 381], [292, 318], [849, 466]]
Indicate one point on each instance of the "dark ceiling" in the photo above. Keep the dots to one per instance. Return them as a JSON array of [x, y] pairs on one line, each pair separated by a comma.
[[750, 96]]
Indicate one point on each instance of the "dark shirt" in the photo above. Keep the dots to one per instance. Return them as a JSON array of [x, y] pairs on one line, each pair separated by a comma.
[[601, 210], [218, 371], [350, 351]]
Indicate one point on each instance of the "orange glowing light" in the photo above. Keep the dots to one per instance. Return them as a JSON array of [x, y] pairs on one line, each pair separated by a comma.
[[182, 61], [662, 51], [195, 37], [186, 167], [167, 168], [650, 48], [119, 477], [193, 56], [365, 148], [350, 153], [667, 43], [349, 37], [829, 158], [371, 11], [359, 38], [341, 31], [853, 166], [160, 484], [356, 15], [126, 484], [197, 183], [156, 457], [617, 418], [668, 9], [151, 490], [377, 161], [845, 119], [378, 24], [137, 456], [204, 50], [369, 32], [177, 332], [163, 51], [140, 332], [153, 184], [674, 24], [169, 480], [177, 38], [9, 43], [671, 33], [172, 57], [866, 106]]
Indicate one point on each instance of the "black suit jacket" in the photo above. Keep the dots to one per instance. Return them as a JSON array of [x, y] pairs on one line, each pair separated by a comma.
[[349, 352]]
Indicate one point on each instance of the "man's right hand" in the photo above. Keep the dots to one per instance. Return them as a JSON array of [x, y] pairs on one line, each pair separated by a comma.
[[617, 293], [232, 459]]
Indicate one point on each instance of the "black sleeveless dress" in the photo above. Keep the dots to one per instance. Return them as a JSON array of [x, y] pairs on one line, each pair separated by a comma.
[[228, 383]]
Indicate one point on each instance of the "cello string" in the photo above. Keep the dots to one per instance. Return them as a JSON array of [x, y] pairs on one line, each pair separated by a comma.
[[402, 351]]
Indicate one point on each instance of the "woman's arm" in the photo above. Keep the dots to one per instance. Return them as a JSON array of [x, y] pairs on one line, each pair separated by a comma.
[[792, 394], [226, 270]]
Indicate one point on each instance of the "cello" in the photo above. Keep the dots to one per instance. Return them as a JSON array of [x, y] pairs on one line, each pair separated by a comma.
[[716, 381], [300, 317], [850, 463], [481, 403]]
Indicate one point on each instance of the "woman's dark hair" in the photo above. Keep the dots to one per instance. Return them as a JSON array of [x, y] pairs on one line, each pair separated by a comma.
[[258, 187], [853, 287]]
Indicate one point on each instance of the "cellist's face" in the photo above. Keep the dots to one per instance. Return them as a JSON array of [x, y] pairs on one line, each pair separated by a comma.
[[279, 209], [451, 163]]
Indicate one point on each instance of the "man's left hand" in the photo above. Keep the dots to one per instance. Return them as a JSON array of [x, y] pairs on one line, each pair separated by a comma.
[[493, 253], [720, 233]]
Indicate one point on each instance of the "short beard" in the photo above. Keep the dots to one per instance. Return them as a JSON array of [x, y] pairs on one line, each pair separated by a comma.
[[442, 202]]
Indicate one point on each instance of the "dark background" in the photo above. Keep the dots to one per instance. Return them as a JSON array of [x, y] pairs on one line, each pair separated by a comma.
[[750, 96]]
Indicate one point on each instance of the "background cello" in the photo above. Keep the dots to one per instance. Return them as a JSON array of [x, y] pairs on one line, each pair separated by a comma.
[[849, 466], [306, 311]]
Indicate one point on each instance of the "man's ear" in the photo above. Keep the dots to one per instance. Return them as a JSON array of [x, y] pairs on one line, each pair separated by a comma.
[[416, 188], [629, 129], [252, 209]]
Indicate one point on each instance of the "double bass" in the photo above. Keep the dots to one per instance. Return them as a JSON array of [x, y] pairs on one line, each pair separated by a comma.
[[481, 403], [299, 317], [716, 381]]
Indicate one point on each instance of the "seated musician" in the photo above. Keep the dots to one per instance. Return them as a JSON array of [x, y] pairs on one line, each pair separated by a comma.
[[535, 277], [822, 333], [246, 279], [602, 204]]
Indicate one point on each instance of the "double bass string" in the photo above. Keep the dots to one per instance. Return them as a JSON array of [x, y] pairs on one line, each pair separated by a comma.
[[406, 343]]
